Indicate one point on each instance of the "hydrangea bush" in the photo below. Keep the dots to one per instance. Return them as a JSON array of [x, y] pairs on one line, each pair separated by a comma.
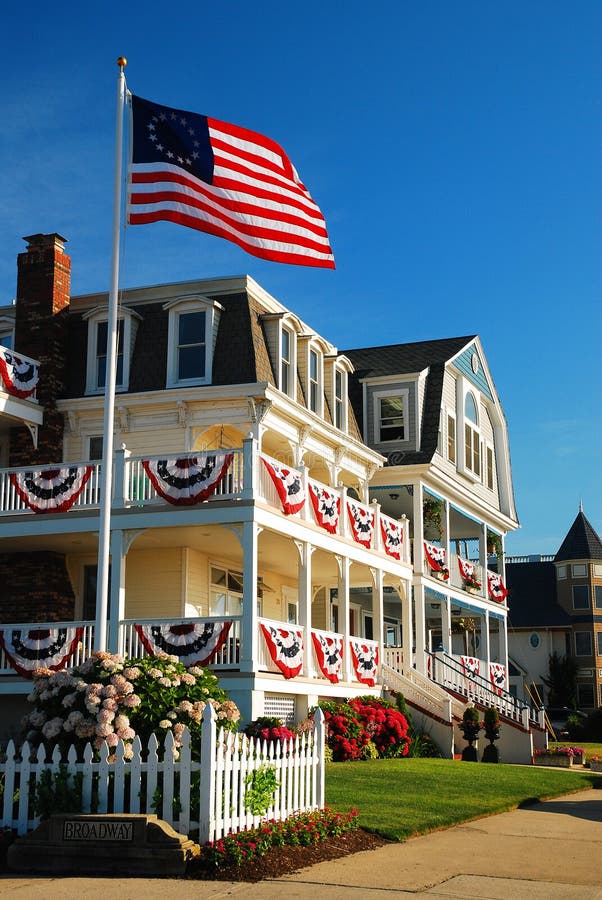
[[109, 697]]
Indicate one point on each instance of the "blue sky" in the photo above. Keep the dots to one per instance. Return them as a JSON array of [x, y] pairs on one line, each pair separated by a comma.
[[452, 147]]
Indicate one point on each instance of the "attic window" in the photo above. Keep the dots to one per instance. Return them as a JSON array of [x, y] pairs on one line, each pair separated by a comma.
[[390, 416], [98, 348], [472, 437], [192, 331]]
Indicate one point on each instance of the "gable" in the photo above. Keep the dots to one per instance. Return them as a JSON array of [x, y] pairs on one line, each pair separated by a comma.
[[467, 362]]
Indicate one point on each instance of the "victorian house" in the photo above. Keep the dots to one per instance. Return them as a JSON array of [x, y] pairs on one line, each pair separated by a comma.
[[241, 519], [309, 523]]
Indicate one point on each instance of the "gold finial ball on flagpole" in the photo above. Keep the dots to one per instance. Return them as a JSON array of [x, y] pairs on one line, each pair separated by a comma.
[[122, 62]]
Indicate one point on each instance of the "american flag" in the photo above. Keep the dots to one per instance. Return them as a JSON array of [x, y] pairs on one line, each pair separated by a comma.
[[225, 180]]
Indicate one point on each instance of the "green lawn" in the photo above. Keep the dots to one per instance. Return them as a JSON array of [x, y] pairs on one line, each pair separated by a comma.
[[398, 798]]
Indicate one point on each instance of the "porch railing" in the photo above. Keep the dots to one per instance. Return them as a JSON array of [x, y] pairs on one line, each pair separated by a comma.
[[447, 671], [11, 502], [228, 656], [83, 650]]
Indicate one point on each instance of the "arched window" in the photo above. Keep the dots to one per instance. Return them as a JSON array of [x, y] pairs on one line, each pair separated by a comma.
[[472, 437]]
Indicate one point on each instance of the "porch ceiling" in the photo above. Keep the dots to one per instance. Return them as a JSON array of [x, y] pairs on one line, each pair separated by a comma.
[[275, 553]]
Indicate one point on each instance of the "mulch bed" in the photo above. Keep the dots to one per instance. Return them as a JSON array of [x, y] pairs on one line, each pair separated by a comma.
[[286, 860]]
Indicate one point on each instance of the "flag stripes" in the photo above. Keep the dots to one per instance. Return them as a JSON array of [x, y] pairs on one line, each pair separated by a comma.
[[224, 180]]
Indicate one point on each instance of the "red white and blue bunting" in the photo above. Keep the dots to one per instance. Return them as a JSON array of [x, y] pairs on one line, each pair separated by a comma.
[[188, 480], [471, 666], [468, 572], [327, 507], [436, 559], [392, 535], [329, 654], [365, 661], [497, 676], [52, 490], [362, 523], [194, 643], [28, 649], [289, 485], [496, 587], [20, 376], [285, 646]]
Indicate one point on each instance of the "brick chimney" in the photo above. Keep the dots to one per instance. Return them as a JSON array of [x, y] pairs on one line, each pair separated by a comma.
[[42, 307]]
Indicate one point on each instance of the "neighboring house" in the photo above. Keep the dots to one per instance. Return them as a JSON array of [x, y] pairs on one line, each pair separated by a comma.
[[309, 523], [555, 604]]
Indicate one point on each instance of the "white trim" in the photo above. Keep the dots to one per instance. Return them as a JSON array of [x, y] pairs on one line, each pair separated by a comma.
[[183, 306], [99, 316], [404, 395]]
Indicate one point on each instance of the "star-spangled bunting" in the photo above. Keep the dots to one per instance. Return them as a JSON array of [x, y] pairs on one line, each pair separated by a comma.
[[392, 536], [228, 181], [329, 654], [18, 377], [365, 661], [468, 572], [496, 588], [189, 480], [436, 559], [471, 666], [28, 649], [362, 523], [288, 484], [51, 490], [194, 643], [497, 676], [327, 507], [285, 646]]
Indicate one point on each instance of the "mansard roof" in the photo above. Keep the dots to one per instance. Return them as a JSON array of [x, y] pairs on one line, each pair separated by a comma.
[[581, 541], [241, 354]]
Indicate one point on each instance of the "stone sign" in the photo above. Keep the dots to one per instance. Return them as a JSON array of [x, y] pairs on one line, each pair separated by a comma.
[[110, 844]]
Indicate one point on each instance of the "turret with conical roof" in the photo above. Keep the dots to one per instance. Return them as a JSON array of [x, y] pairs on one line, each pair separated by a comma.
[[581, 541]]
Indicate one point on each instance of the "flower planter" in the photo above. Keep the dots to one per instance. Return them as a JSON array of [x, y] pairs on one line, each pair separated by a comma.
[[472, 589], [558, 760], [595, 765], [440, 576]]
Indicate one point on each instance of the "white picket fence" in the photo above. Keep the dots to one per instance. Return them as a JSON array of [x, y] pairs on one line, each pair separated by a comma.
[[214, 807]]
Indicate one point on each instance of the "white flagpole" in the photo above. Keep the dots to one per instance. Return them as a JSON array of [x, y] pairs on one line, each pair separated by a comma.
[[106, 486]]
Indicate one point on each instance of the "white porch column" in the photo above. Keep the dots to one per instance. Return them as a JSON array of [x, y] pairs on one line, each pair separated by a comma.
[[250, 463], [249, 638], [344, 564], [116, 590], [378, 610], [407, 624], [485, 642], [419, 612], [305, 596], [418, 529], [446, 625]]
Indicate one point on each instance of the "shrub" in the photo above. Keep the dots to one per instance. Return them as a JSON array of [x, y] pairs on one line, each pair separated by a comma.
[[301, 830], [270, 729], [109, 698], [358, 727]]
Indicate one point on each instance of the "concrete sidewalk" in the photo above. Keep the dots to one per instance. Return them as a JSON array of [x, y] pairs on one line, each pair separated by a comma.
[[549, 851]]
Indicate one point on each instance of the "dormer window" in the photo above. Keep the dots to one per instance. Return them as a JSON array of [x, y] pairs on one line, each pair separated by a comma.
[[98, 344], [193, 325], [286, 361], [340, 407], [390, 416]]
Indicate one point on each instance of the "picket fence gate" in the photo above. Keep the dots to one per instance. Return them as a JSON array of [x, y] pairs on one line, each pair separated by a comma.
[[210, 803]]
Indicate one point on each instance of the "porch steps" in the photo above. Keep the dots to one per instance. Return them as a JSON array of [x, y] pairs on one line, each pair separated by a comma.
[[424, 694]]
